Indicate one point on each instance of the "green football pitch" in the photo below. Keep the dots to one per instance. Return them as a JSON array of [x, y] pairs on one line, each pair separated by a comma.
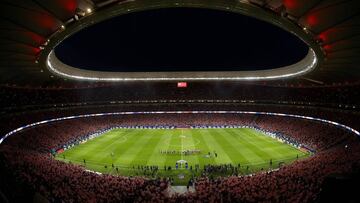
[[124, 151]]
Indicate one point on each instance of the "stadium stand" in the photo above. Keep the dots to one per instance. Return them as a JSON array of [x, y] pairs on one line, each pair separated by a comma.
[[35, 89]]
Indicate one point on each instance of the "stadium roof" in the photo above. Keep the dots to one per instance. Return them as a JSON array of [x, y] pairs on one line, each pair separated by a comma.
[[28, 27]]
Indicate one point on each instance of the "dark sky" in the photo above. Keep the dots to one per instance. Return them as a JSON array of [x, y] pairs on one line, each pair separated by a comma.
[[181, 39]]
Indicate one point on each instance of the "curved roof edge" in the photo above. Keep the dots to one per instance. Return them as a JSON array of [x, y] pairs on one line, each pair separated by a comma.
[[313, 59]]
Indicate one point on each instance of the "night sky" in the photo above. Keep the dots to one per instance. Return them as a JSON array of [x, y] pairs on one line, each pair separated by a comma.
[[181, 39]]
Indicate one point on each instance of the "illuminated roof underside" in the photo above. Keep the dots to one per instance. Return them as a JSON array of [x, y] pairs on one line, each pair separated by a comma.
[[31, 29], [299, 68], [309, 63]]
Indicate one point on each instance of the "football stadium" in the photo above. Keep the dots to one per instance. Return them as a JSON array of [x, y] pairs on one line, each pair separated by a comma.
[[179, 101]]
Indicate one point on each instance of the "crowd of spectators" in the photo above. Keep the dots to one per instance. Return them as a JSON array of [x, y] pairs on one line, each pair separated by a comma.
[[15, 102], [298, 182], [16, 97], [60, 182], [27, 156], [12, 121]]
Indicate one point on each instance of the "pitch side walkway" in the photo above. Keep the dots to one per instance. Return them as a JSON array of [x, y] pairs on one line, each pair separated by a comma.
[[172, 190]]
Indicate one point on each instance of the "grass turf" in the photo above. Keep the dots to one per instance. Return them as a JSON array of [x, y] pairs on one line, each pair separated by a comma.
[[129, 148]]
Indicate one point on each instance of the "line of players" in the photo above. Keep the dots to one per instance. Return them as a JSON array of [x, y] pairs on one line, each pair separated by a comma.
[[184, 152]]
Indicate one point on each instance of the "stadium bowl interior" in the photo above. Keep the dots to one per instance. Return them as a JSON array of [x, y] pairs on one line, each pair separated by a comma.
[[213, 125]]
